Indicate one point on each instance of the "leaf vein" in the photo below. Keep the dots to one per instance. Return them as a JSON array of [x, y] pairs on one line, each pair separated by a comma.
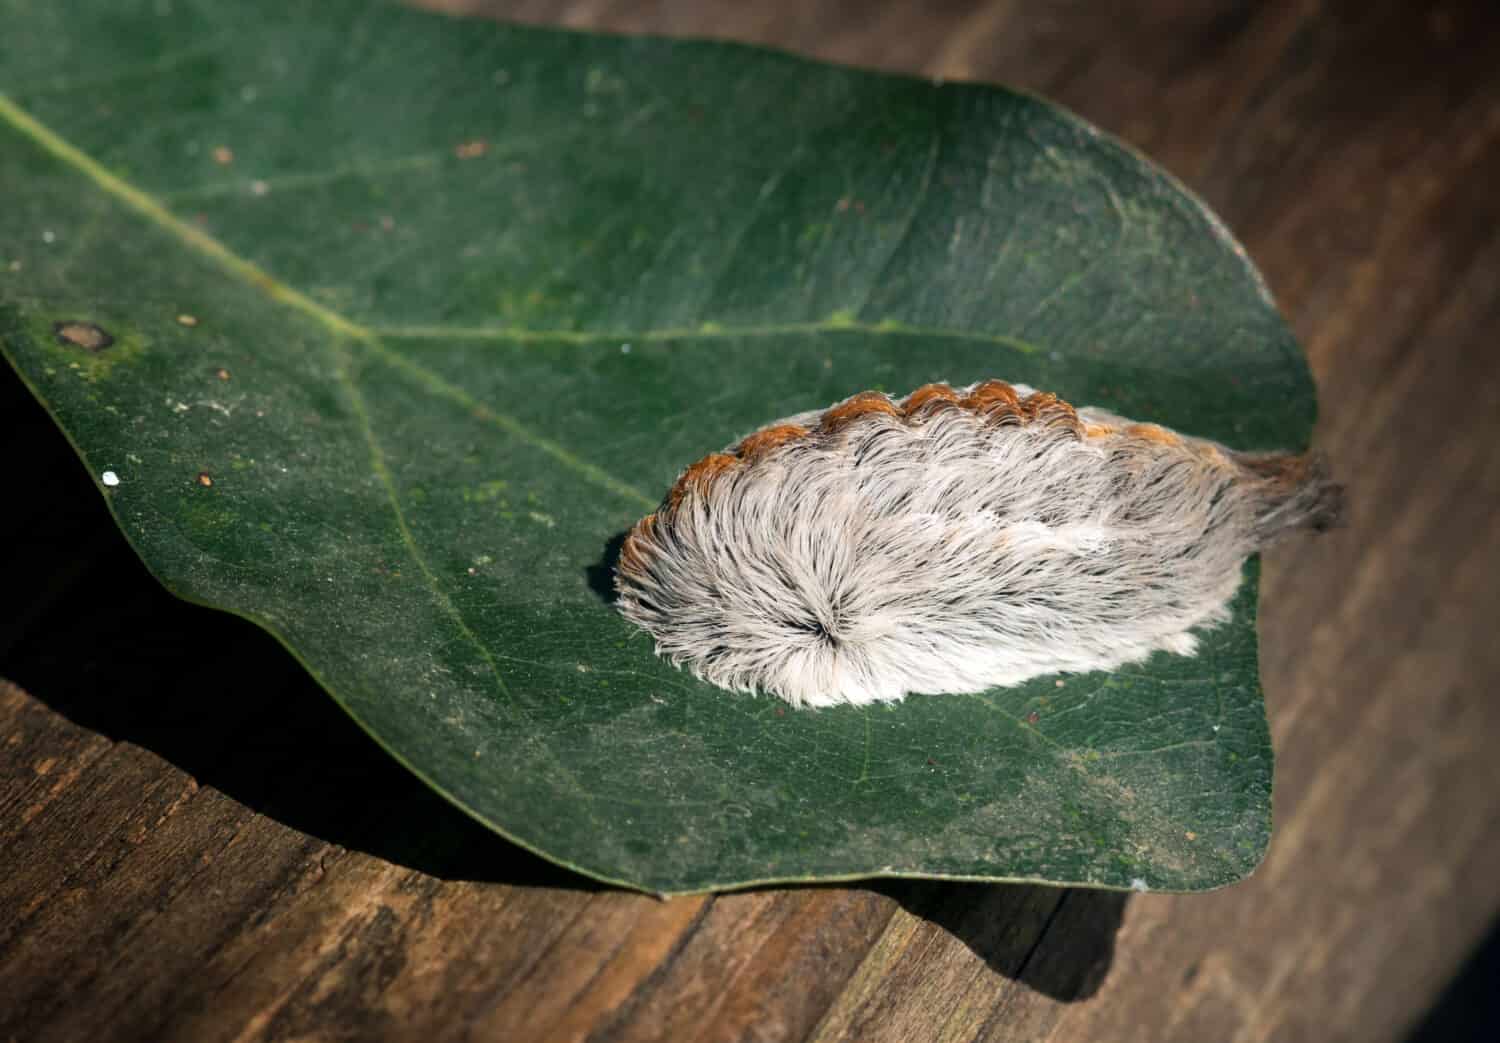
[[445, 602], [521, 335]]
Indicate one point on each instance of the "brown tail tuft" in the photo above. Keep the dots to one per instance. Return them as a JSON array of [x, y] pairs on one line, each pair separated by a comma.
[[1297, 493]]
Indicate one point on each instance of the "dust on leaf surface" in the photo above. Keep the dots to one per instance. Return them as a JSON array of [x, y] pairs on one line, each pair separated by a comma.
[[483, 291]]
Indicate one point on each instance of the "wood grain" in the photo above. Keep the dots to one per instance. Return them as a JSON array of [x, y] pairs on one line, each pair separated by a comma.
[[196, 845]]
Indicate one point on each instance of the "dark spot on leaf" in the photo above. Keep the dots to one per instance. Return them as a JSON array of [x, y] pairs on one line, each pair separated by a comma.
[[205, 479], [86, 335]]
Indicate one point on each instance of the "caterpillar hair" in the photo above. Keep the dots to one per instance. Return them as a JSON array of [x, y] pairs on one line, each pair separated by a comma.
[[952, 541]]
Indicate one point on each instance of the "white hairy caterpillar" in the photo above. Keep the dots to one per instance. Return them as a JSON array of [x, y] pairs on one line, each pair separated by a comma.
[[952, 541]]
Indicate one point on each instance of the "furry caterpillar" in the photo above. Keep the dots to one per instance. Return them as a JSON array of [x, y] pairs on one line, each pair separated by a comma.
[[952, 541]]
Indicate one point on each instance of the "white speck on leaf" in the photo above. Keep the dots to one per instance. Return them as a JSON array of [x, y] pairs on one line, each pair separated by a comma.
[[1139, 884], [259, 188], [110, 478], [624, 349], [49, 236]]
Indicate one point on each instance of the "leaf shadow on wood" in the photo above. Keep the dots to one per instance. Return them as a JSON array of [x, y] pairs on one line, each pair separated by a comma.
[[1058, 941]]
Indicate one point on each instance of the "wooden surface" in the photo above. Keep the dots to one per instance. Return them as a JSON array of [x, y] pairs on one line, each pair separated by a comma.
[[195, 845]]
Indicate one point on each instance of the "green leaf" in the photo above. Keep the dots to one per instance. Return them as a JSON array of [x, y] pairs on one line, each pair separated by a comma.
[[410, 317]]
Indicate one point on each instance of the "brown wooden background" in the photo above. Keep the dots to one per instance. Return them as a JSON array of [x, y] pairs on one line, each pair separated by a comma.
[[195, 845]]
